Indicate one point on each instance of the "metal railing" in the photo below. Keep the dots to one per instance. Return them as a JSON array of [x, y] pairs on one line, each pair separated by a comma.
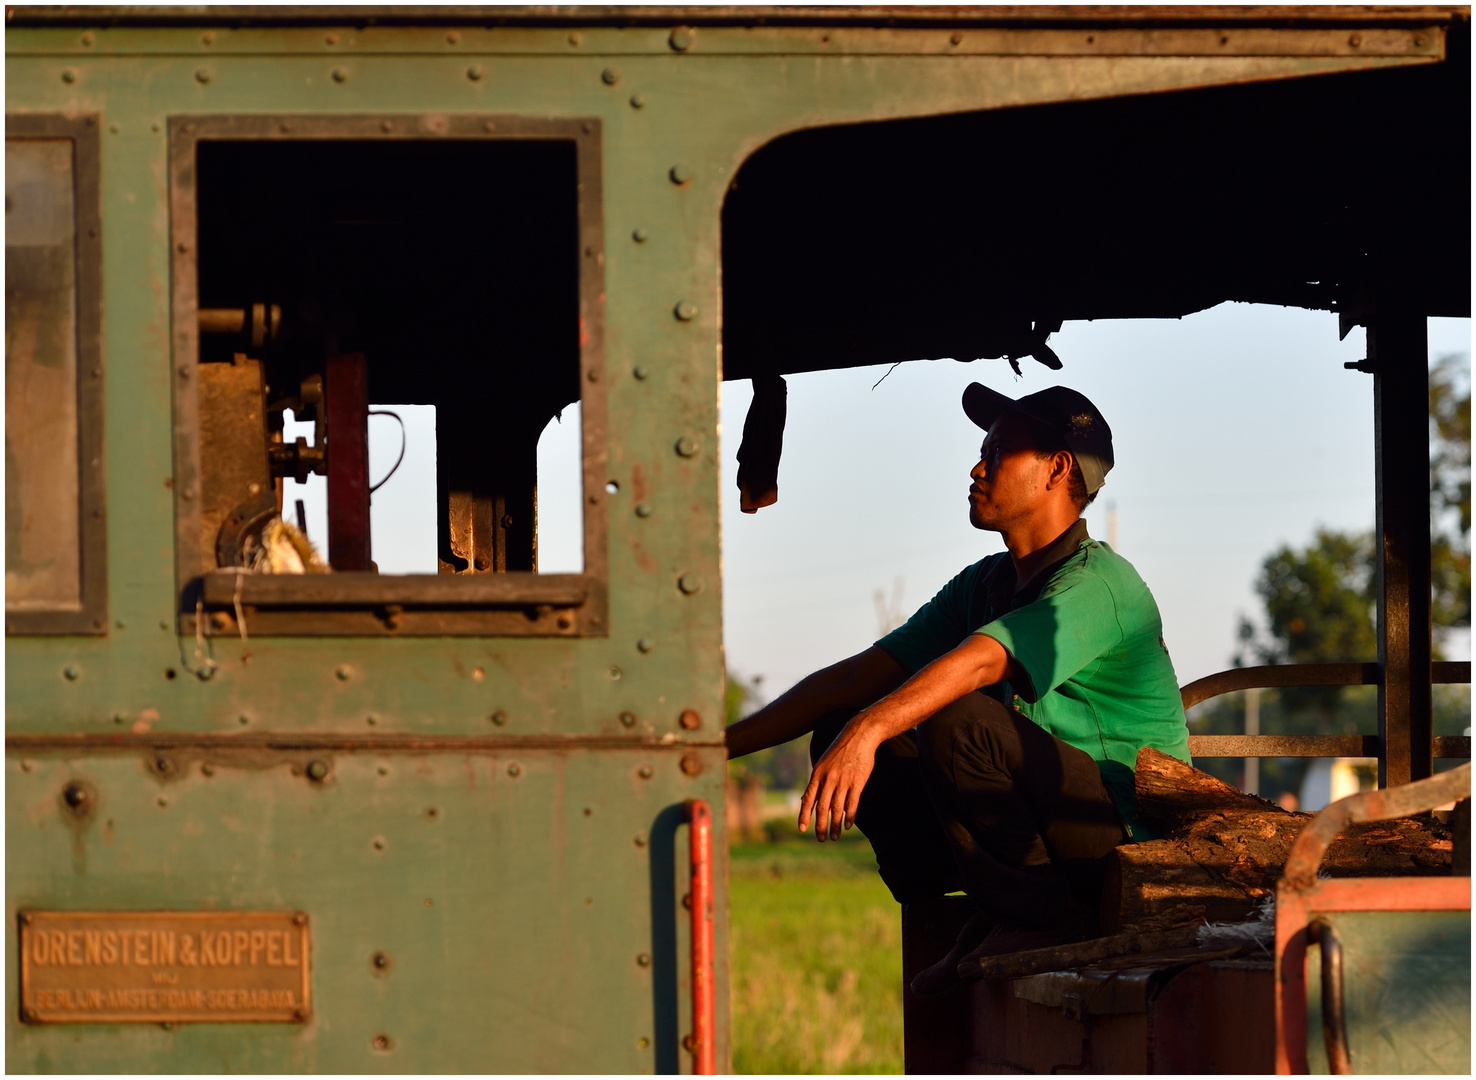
[[1282, 675]]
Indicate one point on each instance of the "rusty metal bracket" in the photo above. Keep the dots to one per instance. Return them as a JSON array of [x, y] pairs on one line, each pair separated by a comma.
[[1322, 933]]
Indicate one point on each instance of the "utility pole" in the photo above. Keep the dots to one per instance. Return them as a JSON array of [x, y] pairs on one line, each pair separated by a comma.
[[1252, 784]]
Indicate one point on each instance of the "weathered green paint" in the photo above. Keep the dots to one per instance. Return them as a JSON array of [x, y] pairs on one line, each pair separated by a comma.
[[526, 958], [1406, 992]]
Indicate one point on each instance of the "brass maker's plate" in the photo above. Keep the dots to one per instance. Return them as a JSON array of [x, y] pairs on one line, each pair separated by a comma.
[[157, 966]]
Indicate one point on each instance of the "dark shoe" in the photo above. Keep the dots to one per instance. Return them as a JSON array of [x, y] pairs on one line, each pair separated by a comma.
[[943, 976], [1009, 937]]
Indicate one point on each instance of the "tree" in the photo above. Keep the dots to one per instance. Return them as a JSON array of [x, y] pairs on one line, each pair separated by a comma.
[[1319, 601], [1450, 490]]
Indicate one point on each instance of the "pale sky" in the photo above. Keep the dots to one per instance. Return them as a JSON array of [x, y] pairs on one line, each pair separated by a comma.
[[1235, 429]]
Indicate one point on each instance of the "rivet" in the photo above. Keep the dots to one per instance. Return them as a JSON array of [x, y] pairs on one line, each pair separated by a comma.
[[640, 236], [687, 447], [380, 960], [205, 674], [514, 769], [691, 764], [610, 76], [243, 718], [207, 769], [72, 673], [645, 644], [377, 843], [452, 38], [154, 128], [615, 673], [640, 839], [202, 75], [340, 75], [478, 674], [372, 719], [69, 75], [641, 371], [644, 959], [689, 584], [113, 128], [207, 38], [685, 310], [330, 39], [499, 718], [27, 765], [565, 622], [628, 719], [956, 39], [637, 101], [163, 801], [386, 126], [689, 720], [679, 175], [489, 126], [299, 918], [317, 770], [475, 72], [382, 1042], [481, 562], [680, 39], [343, 672], [643, 510], [507, 521], [1419, 43], [593, 375], [575, 38], [643, 1042], [587, 128], [74, 795], [383, 770], [646, 772], [119, 718], [87, 39], [1355, 40]]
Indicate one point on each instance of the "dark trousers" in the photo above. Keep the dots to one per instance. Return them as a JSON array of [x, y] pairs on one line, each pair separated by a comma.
[[977, 798]]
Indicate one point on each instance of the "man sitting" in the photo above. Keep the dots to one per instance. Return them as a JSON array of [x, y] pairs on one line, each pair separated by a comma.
[[1015, 794]]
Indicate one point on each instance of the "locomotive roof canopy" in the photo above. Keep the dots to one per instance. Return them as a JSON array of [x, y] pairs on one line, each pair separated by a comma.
[[972, 235]]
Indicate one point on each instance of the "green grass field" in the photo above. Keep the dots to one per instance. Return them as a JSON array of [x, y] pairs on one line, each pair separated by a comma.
[[817, 959]]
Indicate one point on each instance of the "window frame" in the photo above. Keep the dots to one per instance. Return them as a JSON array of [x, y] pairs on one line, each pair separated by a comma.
[[514, 603], [91, 616]]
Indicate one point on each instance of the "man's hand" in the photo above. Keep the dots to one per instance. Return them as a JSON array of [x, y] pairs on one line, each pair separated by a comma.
[[835, 786]]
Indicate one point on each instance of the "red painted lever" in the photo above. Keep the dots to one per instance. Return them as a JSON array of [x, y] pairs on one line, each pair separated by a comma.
[[704, 1007]]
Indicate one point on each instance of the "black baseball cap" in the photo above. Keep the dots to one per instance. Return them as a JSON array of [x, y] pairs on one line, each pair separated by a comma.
[[1061, 411]]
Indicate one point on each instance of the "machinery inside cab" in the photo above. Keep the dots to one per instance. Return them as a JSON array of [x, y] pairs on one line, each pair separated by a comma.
[[327, 264]]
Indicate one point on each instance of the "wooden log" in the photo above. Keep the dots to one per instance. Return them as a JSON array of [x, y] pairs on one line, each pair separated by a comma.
[[1226, 850], [1170, 792]]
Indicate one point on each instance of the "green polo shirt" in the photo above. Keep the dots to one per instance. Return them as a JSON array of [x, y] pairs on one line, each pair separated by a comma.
[[1087, 634]]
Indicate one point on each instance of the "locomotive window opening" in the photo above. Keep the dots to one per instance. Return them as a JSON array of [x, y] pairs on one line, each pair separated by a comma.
[[443, 276]]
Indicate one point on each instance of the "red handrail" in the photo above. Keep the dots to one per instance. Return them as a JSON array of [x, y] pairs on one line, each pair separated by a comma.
[[704, 1009]]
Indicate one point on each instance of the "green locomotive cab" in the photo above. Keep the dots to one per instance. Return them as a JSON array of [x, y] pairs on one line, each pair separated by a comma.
[[274, 806]]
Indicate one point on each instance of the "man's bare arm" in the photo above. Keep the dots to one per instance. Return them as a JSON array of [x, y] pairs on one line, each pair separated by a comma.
[[835, 785], [852, 683]]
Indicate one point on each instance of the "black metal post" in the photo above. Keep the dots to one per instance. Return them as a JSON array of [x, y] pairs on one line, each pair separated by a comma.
[[1397, 352]]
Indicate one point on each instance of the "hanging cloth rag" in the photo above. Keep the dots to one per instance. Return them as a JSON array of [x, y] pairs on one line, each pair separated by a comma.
[[763, 442]]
